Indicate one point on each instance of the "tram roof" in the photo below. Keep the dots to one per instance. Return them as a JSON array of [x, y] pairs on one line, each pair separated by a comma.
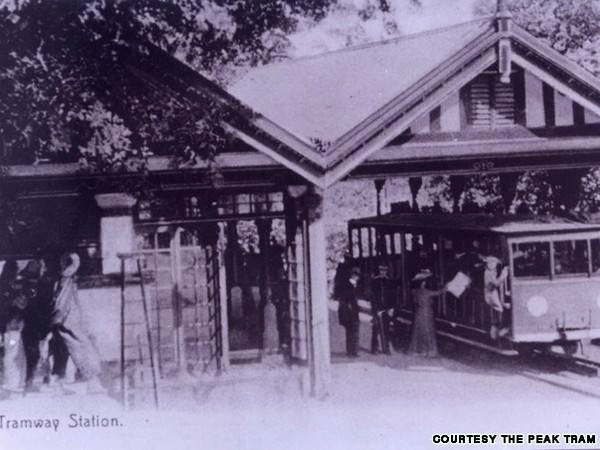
[[503, 224]]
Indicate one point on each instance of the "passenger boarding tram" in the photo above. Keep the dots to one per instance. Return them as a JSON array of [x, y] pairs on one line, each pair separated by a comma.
[[550, 296]]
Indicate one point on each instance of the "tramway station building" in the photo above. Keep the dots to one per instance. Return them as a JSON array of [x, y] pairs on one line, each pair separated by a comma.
[[483, 97]]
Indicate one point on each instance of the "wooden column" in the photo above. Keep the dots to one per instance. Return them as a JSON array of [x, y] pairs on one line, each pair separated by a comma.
[[566, 185], [379, 239], [378, 188], [457, 186], [231, 254], [508, 189], [320, 358], [415, 184], [223, 295], [264, 236]]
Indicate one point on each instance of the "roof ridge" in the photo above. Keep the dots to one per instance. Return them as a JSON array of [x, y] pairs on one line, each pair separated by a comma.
[[364, 45]]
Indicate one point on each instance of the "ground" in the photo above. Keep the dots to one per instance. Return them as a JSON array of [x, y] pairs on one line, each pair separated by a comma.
[[376, 402]]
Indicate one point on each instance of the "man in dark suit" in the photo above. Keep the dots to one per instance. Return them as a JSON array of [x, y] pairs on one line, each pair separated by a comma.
[[37, 289], [347, 292], [382, 304]]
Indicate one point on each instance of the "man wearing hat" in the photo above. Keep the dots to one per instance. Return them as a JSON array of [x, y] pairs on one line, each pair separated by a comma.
[[28, 300], [68, 323], [36, 292], [382, 304], [347, 293]]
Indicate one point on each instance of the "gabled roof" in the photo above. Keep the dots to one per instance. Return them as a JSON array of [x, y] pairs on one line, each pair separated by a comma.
[[350, 103], [322, 116], [322, 97]]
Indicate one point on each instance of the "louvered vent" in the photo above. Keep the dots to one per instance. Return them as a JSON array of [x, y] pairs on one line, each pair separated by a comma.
[[480, 103], [504, 107], [491, 104]]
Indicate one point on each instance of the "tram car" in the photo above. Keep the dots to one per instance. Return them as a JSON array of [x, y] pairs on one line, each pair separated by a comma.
[[547, 267]]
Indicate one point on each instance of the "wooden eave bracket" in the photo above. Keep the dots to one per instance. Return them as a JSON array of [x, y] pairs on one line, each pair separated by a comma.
[[572, 86], [340, 167]]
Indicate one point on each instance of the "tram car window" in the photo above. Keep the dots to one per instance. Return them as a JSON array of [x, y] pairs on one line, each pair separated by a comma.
[[354, 243], [532, 260], [595, 256], [570, 258]]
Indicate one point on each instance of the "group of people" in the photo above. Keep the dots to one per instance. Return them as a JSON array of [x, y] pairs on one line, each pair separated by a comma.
[[42, 326], [382, 291]]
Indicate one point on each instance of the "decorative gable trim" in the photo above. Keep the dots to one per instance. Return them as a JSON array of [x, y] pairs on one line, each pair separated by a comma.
[[314, 176], [444, 90], [411, 97], [557, 84]]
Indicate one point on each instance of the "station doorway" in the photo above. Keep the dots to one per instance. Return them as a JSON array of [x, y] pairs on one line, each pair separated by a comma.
[[180, 275], [209, 286], [264, 287]]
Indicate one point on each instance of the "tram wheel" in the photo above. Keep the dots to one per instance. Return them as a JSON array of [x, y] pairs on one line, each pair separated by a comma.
[[570, 347], [526, 349]]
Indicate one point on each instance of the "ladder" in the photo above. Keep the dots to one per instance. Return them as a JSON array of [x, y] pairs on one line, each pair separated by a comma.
[[135, 322]]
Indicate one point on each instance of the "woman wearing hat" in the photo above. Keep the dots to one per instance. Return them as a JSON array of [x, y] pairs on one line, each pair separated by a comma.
[[423, 341]]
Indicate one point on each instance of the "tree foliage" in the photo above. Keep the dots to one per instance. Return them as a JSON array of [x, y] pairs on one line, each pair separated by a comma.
[[571, 27], [349, 23], [64, 95]]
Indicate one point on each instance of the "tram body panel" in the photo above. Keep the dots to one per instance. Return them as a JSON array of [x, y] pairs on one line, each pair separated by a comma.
[[557, 310], [553, 286]]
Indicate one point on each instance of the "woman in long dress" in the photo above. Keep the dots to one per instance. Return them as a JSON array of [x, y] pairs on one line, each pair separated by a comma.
[[423, 340]]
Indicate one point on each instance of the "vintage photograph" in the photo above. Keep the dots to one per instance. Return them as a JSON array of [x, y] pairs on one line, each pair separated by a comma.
[[299, 224]]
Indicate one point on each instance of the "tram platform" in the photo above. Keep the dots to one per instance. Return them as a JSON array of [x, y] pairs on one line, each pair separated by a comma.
[[375, 402]]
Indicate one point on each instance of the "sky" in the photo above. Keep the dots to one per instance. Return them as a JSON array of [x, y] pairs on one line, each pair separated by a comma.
[[342, 27], [435, 14]]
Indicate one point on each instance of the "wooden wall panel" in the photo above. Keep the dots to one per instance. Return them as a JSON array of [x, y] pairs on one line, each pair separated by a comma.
[[563, 109], [534, 101], [451, 113], [421, 125], [590, 117]]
